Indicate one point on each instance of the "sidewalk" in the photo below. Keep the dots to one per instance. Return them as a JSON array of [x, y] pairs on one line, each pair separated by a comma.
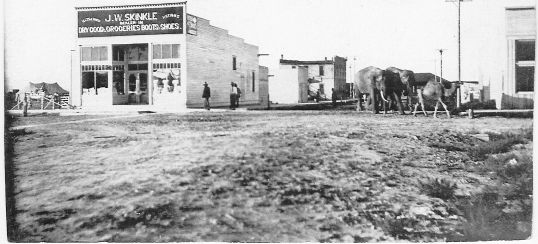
[[117, 110], [141, 109]]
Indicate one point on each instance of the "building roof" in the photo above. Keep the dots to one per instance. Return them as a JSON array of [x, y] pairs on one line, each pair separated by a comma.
[[130, 6], [48, 88], [298, 62]]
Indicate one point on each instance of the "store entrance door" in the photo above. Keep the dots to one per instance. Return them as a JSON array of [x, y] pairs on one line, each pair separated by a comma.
[[138, 86]]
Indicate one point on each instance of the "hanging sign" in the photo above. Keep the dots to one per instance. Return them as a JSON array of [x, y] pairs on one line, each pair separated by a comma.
[[192, 26], [124, 22]]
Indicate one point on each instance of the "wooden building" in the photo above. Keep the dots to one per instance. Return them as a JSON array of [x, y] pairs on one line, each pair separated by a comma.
[[158, 55]]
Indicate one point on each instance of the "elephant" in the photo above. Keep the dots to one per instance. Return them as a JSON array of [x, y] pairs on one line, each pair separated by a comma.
[[398, 82], [369, 80]]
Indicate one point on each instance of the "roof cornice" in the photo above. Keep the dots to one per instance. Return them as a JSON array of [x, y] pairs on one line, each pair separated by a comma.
[[132, 6]]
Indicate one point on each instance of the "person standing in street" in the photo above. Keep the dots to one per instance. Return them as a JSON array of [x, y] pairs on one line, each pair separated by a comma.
[[334, 97], [238, 96], [233, 96], [206, 95]]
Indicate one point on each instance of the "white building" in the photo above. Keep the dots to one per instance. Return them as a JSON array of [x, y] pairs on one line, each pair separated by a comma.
[[295, 79], [157, 54], [507, 57]]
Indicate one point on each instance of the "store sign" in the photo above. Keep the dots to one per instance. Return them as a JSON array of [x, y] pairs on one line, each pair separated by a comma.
[[123, 22], [192, 26]]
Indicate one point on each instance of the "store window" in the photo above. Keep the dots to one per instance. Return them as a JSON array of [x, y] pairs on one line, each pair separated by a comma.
[[88, 81], [165, 51], [94, 53], [525, 64], [92, 81]]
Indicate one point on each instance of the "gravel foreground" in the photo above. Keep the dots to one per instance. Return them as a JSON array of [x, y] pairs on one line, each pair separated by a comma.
[[264, 176]]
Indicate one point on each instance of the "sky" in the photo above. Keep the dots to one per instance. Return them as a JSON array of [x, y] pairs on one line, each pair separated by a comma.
[[39, 34]]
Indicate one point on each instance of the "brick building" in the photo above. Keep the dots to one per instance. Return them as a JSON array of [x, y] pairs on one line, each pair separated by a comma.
[[321, 75], [158, 55]]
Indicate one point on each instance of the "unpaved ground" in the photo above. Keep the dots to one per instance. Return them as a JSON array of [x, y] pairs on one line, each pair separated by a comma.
[[242, 176]]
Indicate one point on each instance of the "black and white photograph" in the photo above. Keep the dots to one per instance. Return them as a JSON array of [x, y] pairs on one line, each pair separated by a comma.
[[274, 121]]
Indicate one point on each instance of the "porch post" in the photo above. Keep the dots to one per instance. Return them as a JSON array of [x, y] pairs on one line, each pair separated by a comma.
[[150, 74]]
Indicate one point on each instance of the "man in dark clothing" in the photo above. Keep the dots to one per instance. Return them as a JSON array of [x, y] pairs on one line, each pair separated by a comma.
[[206, 95], [334, 97], [233, 96], [238, 96]]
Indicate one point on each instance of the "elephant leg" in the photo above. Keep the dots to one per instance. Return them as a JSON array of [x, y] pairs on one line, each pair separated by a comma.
[[373, 99], [359, 103], [435, 110], [368, 102], [445, 107], [399, 103]]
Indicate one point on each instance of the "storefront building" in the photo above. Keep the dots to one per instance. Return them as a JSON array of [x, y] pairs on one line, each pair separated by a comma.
[[506, 64], [158, 55]]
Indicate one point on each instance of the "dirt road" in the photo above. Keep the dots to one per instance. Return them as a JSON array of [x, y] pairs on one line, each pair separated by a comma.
[[242, 176]]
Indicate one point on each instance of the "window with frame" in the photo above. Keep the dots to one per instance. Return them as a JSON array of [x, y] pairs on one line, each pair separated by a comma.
[[94, 80], [321, 71], [94, 53], [234, 63], [118, 54], [525, 63], [253, 81], [165, 51]]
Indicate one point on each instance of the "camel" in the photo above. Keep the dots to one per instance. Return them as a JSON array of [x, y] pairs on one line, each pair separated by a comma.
[[434, 91]]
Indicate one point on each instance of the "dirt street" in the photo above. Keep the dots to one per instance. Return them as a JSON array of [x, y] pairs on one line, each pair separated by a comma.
[[256, 176]]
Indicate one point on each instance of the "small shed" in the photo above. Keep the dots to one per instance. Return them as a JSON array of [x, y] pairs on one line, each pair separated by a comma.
[[50, 93]]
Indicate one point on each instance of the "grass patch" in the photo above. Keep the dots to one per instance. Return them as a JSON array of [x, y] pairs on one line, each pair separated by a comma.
[[491, 217], [502, 211], [500, 143], [440, 188]]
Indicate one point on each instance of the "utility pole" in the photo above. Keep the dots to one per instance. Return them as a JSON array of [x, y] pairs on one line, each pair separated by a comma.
[[441, 54], [71, 79], [458, 98], [354, 70]]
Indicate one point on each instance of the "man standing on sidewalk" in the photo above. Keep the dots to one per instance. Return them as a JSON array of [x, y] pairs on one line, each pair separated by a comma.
[[233, 96], [206, 95]]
